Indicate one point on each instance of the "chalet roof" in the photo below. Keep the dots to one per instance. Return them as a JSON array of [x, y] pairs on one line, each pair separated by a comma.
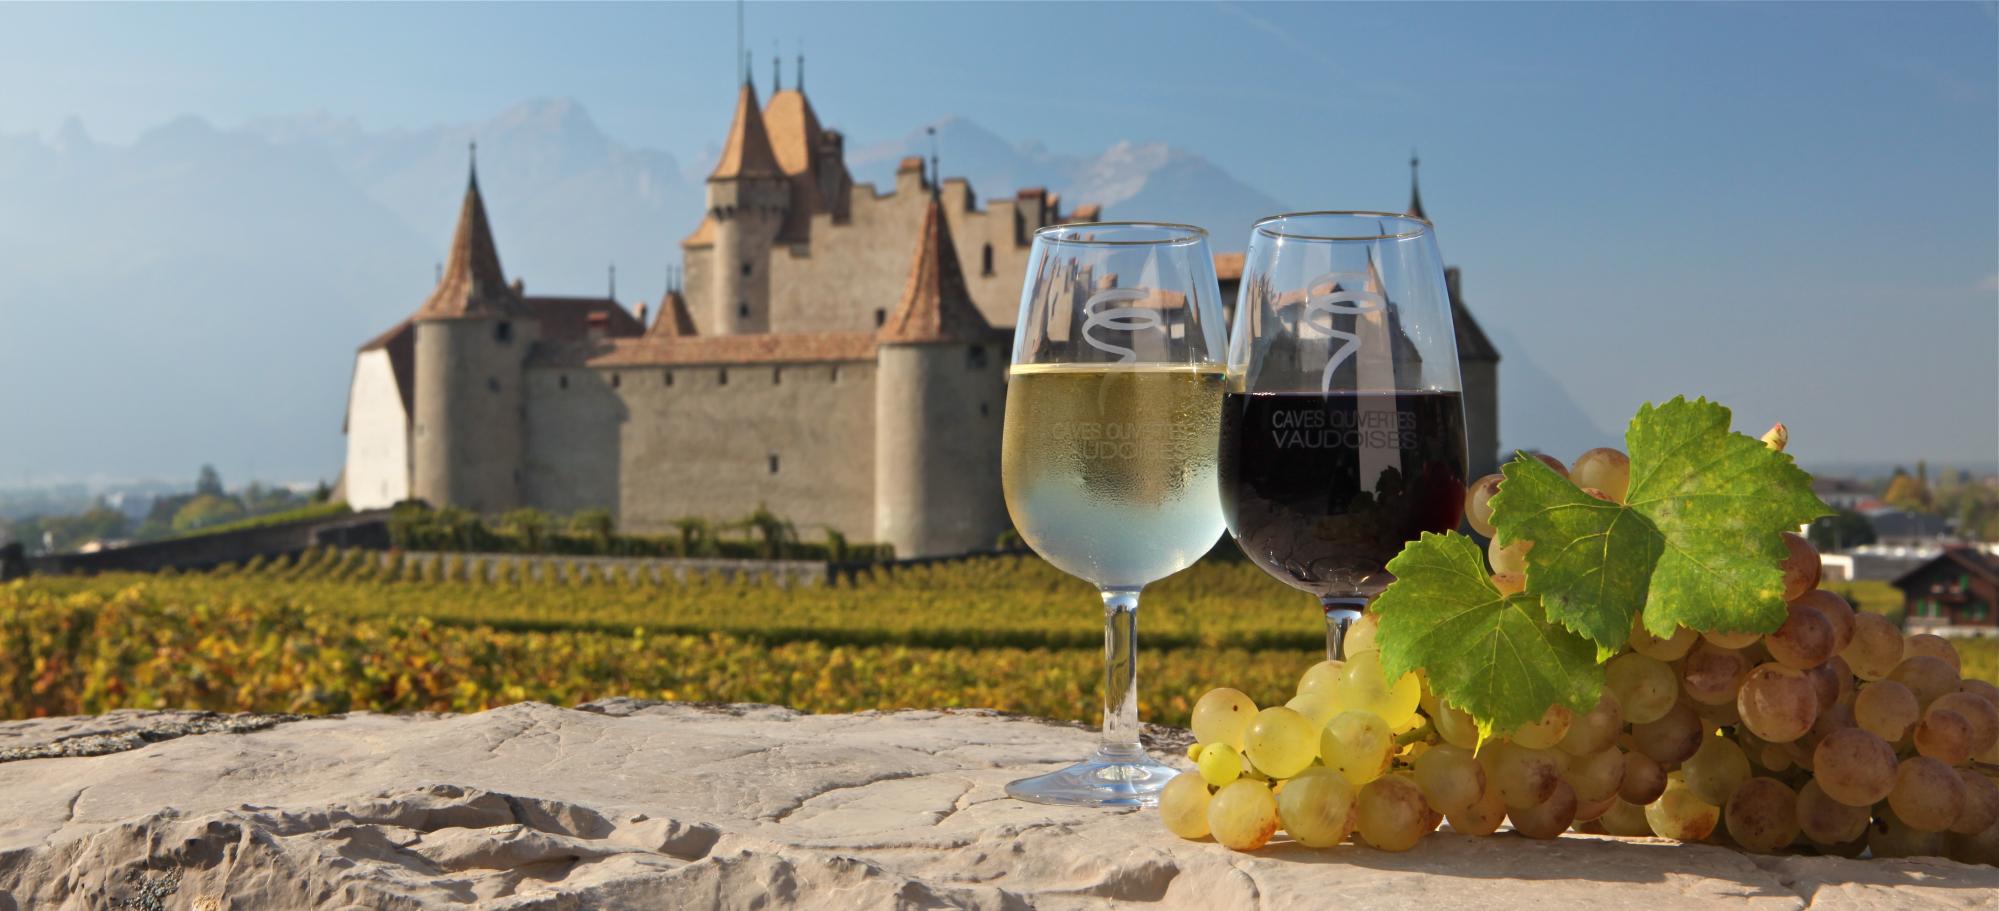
[[1963, 559], [747, 151], [935, 306], [722, 350], [674, 321], [472, 284]]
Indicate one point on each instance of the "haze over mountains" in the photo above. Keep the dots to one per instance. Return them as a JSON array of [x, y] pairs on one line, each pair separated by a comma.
[[196, 296]]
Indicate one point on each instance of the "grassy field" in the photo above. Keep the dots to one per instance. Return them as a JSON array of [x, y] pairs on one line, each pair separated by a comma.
[[336, 632]]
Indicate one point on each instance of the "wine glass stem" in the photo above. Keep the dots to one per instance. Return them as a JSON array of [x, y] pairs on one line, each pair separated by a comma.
[[1341, 612], [1121, 672]]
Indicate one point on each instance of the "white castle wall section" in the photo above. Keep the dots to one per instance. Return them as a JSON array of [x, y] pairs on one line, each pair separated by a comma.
[[378, 435]]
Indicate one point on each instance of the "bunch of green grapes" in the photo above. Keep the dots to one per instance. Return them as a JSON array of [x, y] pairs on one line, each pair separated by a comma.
[[1834, 733]]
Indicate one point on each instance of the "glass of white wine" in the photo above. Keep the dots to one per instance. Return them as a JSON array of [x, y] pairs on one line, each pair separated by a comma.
[[1113, 422]]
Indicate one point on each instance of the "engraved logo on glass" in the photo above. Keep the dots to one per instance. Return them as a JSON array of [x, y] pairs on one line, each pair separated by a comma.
[[1350, 293], [1118, 319]]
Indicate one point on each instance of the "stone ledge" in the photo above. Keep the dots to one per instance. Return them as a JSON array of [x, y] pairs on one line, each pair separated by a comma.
[[626, 804]]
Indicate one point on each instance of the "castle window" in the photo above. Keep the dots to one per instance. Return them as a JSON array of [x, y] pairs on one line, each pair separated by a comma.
[[746, 268], [724, 381], [776, 376], [615, 379], [984, 411], [562, 381], [975, 357], [986, 261], [669, 378], [773, 463], [743, 310], [503, 332], [835, 377], [492, 384], [881, 316]]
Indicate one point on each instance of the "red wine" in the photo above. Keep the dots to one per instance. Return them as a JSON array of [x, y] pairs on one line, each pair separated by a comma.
[[1321, 490]]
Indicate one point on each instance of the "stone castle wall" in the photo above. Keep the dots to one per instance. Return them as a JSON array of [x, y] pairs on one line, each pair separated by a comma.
[[467, 434]]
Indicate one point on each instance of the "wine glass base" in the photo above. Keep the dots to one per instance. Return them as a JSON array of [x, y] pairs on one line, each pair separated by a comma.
[[1103, 780]]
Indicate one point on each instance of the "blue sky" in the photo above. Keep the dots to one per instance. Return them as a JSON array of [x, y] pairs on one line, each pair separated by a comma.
[[1790, 207]]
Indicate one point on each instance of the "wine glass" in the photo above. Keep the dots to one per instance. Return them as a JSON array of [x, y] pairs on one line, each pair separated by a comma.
[[1343, 430], [1113, 418]]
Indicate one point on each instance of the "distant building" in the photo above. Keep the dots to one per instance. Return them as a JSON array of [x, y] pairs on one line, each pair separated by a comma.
[[1895, 527], [1842, 493], [1953, 594]]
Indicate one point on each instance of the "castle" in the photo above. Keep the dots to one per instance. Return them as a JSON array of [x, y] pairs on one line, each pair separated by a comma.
[[831, 354]]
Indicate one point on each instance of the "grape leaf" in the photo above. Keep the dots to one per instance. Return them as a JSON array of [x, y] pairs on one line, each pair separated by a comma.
[[1696, 542], [1492, 655]]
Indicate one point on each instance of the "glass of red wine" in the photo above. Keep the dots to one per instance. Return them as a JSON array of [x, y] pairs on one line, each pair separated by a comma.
[[1343, 430]]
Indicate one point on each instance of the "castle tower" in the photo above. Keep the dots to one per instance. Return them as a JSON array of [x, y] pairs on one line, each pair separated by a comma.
[[749, 198], [472, 338], [940, 393], [1478, 362]]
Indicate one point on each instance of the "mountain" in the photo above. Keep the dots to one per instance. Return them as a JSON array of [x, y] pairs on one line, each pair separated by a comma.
[[1132, 180]]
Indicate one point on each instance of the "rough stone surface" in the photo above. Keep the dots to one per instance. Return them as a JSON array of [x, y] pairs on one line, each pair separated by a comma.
[[636, 805]]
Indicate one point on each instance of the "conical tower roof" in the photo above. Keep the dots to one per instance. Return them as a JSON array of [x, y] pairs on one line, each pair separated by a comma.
[[472, 283], [674, 320], [793, 128], [935, 306], [747, 153], [1415, 191]]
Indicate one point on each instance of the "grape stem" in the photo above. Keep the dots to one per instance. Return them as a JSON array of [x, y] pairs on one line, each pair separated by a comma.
[[1120, 735], [1341, 613]]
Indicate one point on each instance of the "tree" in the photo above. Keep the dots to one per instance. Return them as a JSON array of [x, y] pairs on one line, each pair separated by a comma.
[[1907, 492], [1842, 530], [209, 483], [595, 524], [532, 525], [205, 510]]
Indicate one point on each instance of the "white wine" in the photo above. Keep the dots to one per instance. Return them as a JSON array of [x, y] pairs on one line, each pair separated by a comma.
[[1110, 470]]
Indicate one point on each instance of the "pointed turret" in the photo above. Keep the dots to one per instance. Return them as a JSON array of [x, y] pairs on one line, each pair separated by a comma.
[[935, 306], [471, 283], [675, 321], [747, 152], [1415, 191]]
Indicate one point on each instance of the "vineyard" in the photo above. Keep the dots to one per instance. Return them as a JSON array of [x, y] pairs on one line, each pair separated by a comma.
[[339, 631]]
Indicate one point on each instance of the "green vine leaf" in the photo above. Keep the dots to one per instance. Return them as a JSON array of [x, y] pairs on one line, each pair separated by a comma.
[[1495, 656], [1696, 542]]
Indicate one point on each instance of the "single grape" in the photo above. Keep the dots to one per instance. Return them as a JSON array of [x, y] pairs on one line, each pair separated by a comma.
[[1827, 821], [1391, 813], [1626, 819], [1549, 818], [1511, 558], [1886, 709], [1777, 703], [1934, 646], [1982, 848], [1358, 745], [1591, 811], [1978, 711], [1282, 742], [1451, 778], [1509, 583], [1679, 814], [1222, 716], [1644, 779], [1712, 674], [1774, 757], [1837, 612], [1943, 735], [1717, 716], [1219, 764], [1365, 687], [1981, 803], [1876, 647], [1540, 735], [1525, 777], [1645, 688], [1730, 639], [1316, 705], [1183, 805], [1893, 837], [1553, 463], [1595, 730], [1482, 817], [1360, 635], [1478, 503], [1801, 566], [1669, 649], [1317, 807], [1596, 776], [1804, 641], [1716, 769], [1762, 816], [1457, 728], [1927, 676], [1981, 689], [1322, 677], [1928, 794], [1243, 816], [1608, 470], [1672, 738], [1826, 679]]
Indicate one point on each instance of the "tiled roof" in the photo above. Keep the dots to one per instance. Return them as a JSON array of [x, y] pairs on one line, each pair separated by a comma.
[[1228, 267], [1091, 212], [704, 234], [763, 348], [473, 284], [747, 152], [674, 321], [935, 306], [563, 318], [793, 128]]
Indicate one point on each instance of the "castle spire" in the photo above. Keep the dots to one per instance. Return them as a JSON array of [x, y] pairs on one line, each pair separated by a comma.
[[798, 78], [472, 282], [674, 320], [1415, 192], [935, 306], [747, 152]]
